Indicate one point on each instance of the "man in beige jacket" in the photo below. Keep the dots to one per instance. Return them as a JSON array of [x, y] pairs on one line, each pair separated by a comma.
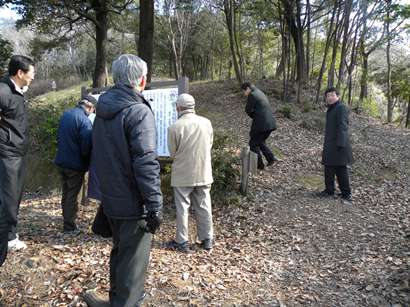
[[189, 143]]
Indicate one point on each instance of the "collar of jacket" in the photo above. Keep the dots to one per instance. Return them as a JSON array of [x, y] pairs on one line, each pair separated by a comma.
[[137, 96], [329, 107], [6, 79], [82, 108], [189, 111]]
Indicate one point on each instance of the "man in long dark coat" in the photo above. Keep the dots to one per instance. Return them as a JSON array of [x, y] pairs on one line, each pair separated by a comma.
[[337, 151], [263, 122]]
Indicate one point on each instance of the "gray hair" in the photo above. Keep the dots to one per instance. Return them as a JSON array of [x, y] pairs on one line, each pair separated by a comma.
[[128, 69]]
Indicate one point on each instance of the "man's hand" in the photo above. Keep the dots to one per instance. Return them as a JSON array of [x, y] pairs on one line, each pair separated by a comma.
[[154, 220]]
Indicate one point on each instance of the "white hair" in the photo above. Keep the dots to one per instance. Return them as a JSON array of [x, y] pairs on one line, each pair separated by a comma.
[[128, 69]]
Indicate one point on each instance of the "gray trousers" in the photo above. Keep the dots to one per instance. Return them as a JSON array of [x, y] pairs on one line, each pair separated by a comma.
[[200, 198], [72, 182], [129, 261]]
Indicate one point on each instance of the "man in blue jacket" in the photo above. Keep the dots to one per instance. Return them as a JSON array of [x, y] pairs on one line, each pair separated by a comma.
[[13, 147], [73, 156], [125, 157]]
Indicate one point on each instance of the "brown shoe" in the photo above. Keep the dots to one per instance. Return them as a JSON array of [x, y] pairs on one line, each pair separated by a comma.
[[93, 299]]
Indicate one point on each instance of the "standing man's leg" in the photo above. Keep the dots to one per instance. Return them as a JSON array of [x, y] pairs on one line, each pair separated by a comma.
[[129, 261], [12, 179], [342, 175], [255, 142], [4, 221], [266, 150], [4, 232], [182, 203], [201, 201], [72, 182], [330, 172]]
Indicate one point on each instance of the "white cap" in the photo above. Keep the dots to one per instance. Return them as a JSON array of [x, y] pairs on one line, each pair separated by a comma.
[[186, 101]]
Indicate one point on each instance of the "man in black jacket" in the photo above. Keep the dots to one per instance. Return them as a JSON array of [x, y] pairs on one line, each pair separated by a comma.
[[337, 151], [263, 122], [13, 147], [125, 157]]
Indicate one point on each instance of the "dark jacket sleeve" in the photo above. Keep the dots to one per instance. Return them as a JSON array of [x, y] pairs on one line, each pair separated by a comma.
[[342, 118], [85, 137], [3, 105], [141, 134], [250, 106]]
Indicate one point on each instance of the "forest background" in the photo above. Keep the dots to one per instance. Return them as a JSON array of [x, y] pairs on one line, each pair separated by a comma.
[[361, 47]]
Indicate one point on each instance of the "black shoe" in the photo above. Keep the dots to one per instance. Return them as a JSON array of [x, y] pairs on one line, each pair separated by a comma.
[[93, 299], [347, 198], [207, 244], [325, 194], [71, 230], [270, 163], [180, 247]]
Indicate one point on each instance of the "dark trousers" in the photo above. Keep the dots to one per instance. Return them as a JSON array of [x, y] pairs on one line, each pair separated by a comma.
[[129, 261], [72, 182], [342, 176], [257, 145], [12, 173], [4, 233]]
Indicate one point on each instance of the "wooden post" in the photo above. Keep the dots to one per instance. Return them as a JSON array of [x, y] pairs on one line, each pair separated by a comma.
[[249, 166], [83, 92], [253, 162], [183, 85], [244, 170]]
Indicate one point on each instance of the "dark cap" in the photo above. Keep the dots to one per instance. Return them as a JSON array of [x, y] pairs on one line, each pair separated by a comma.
[[87, 100]]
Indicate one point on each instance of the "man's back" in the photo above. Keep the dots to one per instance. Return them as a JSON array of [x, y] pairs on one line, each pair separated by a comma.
[[124, 153], [74, 140], [260, 110], [190, 142]]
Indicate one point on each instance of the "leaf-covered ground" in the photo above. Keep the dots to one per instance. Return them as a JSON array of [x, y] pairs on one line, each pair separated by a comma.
[[279, 246]]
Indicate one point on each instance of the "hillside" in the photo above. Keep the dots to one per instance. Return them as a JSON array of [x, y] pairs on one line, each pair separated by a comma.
[[279, 246]]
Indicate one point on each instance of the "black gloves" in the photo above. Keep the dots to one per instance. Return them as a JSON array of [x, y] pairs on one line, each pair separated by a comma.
[[154, 220]]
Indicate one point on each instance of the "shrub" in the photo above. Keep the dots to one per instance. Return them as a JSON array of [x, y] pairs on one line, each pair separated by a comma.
[[313, 121], [286, 110], [370, 107], [225, 168]]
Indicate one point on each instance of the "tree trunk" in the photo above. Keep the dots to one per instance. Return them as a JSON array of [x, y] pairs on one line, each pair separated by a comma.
[[336, 37], [313, 54], [350, 69], [322, 68], [408, 115], [283, 54], [346, 16], [389, 98], [101, 28], [308, 37], [229, 11], [296, 30], [363, 79], [146, 34]]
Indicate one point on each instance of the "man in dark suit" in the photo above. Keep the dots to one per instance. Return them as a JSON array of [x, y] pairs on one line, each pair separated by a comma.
[[337, 151], [263, 122]]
